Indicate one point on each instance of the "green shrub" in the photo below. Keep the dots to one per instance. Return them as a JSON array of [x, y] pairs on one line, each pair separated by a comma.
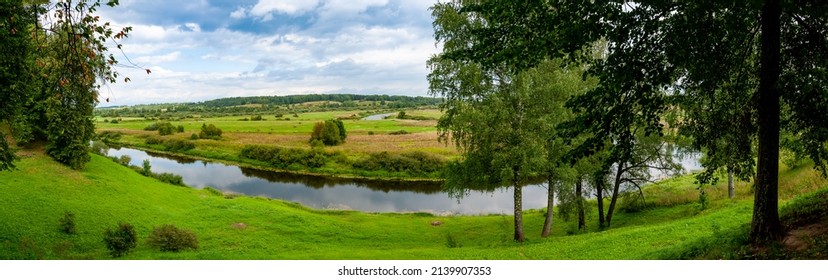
[[169, 178], [330, 132], [180, 128], [152, 140], [209, 132], [114, 121], [120, 240], [176, 145], [399, 132], [146, 168], [169, 238], [194, 136], [124, 160], [256, 118], [109, 136], [411, 162], [285, 157], [67, 223]]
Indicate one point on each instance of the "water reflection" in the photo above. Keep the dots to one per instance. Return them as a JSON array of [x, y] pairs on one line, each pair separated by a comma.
[[334, 193]]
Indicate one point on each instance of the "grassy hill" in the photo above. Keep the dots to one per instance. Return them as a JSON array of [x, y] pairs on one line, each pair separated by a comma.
[[37, 195]]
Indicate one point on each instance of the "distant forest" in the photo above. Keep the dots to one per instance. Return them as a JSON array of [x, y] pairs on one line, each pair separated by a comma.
[[270, 104]]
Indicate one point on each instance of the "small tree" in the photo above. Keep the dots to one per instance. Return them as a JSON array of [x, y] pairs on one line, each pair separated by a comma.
[[209, 132], [328, 132], [120, 240]]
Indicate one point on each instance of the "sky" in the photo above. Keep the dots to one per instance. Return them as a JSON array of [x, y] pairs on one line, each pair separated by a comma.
[[206, 49]]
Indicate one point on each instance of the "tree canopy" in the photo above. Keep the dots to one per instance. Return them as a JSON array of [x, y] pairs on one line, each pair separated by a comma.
[[739, 72]]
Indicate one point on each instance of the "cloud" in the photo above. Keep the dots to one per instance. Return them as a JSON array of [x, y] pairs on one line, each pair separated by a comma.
[[265, 8], [173, 56], [212, 49]]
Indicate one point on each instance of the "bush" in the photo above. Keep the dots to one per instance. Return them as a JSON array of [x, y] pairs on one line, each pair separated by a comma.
[[209, 132], [120, 240], [180, 128], [114, 121], [176, 145], [109, 136], [67, 223], [411, 162], [163, 128], [194, 136], [152, 140], [124, 160], [328, 132], [285, 157], [169, 178], [169, 238], [146, 168], [256, 118], [399, 132]]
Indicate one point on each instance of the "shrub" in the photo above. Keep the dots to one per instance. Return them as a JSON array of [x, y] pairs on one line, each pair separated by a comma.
[[285, 157], [124, 160], [180, 128], [152, 140], [256, 118], [120, 240], [146, 168], [411, 162], [194, 136], [370, 132], [67, 223], [109, 136], [114, 121], [209, 132], [399, 132], [169, 238], [328, 132], [166, 128], [169, 178], [176, 145]]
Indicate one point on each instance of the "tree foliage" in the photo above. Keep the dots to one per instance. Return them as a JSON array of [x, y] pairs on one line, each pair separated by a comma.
[[56, 57], [330, 132]]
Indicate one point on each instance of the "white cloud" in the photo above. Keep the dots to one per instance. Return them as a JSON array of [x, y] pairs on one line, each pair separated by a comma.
[[361, 46], [239, 13], [173, 56], [265, 8], [194, 27]]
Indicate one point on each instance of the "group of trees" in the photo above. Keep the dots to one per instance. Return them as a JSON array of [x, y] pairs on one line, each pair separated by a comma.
[[54, 59], [730, 76], [329, 133]]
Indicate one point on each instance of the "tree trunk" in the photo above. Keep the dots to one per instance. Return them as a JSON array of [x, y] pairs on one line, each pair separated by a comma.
[[519, 237], [550, 206], [615, 189], [731, 190], [765, 225], [580, 204], [599, 194]]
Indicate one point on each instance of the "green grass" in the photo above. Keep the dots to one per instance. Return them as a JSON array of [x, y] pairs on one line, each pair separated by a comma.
[[105, 193], [296, 125]]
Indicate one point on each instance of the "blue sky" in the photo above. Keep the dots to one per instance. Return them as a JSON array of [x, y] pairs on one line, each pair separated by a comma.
[[206, 49]]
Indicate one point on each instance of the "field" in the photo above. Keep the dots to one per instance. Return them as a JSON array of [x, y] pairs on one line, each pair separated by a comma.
[[365, 137], [105, 193]]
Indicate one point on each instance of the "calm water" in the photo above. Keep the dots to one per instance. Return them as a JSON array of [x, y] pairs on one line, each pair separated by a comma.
[[334, 193], [377, 117]]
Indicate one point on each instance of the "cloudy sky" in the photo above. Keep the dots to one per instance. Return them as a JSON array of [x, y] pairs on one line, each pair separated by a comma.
[[205, 49]]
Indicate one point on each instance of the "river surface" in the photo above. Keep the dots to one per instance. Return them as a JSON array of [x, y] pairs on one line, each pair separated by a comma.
[[334, 193], [377, 117], [324, 192]]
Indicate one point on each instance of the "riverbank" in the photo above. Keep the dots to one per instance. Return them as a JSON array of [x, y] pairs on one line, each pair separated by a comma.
[[105, 193]]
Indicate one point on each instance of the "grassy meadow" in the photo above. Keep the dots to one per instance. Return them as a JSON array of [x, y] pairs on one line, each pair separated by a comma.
[[228, 227]]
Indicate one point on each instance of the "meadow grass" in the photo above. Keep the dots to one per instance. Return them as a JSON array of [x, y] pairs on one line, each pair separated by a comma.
[[295, 133], [105, 193]]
